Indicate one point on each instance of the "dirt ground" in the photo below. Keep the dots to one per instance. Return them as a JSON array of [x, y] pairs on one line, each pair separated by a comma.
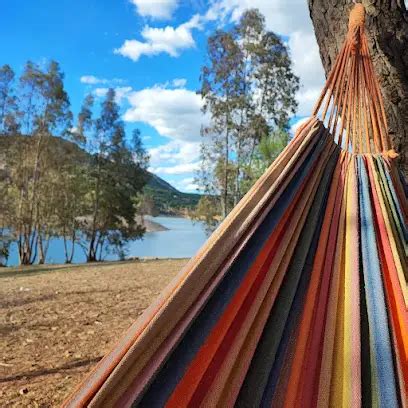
[[57, 322]]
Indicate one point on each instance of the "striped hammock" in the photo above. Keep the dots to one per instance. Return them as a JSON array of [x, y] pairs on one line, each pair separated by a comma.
[[299, 298]]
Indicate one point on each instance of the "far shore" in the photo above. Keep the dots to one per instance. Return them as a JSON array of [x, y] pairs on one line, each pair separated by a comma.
[[153, 226], [150, 225], [153, 244]]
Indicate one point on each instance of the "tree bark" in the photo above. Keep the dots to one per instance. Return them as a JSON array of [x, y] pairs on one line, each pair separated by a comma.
[[387, 32]]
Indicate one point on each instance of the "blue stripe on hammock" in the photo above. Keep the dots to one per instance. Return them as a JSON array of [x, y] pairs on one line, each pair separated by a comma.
[[376, 308]]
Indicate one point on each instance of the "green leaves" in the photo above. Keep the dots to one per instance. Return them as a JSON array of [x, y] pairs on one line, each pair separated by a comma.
[[248, 89], [117, 175], [81, 184], [43, 102], [8, 101]]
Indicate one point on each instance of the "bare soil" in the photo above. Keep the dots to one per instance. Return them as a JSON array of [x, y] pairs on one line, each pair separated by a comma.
[[57, 322]]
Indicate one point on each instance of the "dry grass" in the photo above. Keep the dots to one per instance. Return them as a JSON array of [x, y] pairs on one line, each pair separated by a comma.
[[56, 322]]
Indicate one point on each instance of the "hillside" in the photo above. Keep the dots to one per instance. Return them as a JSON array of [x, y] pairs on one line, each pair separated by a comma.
[[157, 183], [166, 198]]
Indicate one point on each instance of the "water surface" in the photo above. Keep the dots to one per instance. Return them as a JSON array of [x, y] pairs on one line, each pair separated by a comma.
[[182, 240]]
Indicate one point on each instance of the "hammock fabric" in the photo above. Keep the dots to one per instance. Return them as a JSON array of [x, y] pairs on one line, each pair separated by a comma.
[[299, 299]]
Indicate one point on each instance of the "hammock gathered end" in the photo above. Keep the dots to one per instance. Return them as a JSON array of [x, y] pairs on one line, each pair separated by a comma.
[[299, 298], [351, 102]]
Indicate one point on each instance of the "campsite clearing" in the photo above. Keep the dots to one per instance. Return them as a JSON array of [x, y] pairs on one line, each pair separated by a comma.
[[57, 322]]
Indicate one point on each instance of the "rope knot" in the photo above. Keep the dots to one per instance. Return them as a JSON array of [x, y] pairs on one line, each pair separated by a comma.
[[391, 154], [351, 100], [357, 17], [356, 26]]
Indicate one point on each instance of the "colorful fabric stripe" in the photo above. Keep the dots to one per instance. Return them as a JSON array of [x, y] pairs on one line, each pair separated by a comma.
[[298, 300]]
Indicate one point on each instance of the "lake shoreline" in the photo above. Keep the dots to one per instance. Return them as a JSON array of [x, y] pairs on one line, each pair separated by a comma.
[[148, 221], [169, 238], [8, 271], [150, 225]]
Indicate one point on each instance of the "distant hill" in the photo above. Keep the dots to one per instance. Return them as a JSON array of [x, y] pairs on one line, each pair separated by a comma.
[[167, 199], [157, 183]]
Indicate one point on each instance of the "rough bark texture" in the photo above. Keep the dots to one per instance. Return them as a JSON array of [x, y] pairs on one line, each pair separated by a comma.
[[387, 32]]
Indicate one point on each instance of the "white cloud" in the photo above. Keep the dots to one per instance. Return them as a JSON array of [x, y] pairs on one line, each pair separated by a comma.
[[158, 9], [306, 57], [307, 65], [175, 83], [121, 92], [174, 113], [175, 158], [307, 98], [101, 92], [177, 169], [282, 16], [167, 40], [93, 80], [286, 17], [174, 153], [179, 82], [188, 185]]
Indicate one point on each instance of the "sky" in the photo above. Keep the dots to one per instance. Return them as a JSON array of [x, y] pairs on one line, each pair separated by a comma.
[[151, 52]]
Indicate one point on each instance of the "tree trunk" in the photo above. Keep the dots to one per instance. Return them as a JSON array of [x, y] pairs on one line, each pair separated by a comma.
[[64, 238], [226, 164], [92, 250], [73, 240], [41, 257], [387, 32]]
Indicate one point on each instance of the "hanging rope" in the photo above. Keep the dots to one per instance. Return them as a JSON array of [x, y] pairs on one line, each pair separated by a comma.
[[351, 104]]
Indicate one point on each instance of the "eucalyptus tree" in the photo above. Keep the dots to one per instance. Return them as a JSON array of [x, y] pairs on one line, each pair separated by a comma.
[[73, 177], [8, 126], [221, 89], [8, 102], [248, 89], [80, 183], [117, 175], [45, 114]]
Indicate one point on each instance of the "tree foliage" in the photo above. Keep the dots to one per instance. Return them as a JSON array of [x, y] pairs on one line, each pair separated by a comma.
[[81, 184], [248, 89], [117, 177]]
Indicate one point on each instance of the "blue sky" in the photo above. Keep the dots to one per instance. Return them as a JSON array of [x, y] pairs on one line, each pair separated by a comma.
[[151, 51]]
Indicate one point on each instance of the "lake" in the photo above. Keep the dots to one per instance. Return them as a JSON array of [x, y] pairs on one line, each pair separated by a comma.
[[182, 240]]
